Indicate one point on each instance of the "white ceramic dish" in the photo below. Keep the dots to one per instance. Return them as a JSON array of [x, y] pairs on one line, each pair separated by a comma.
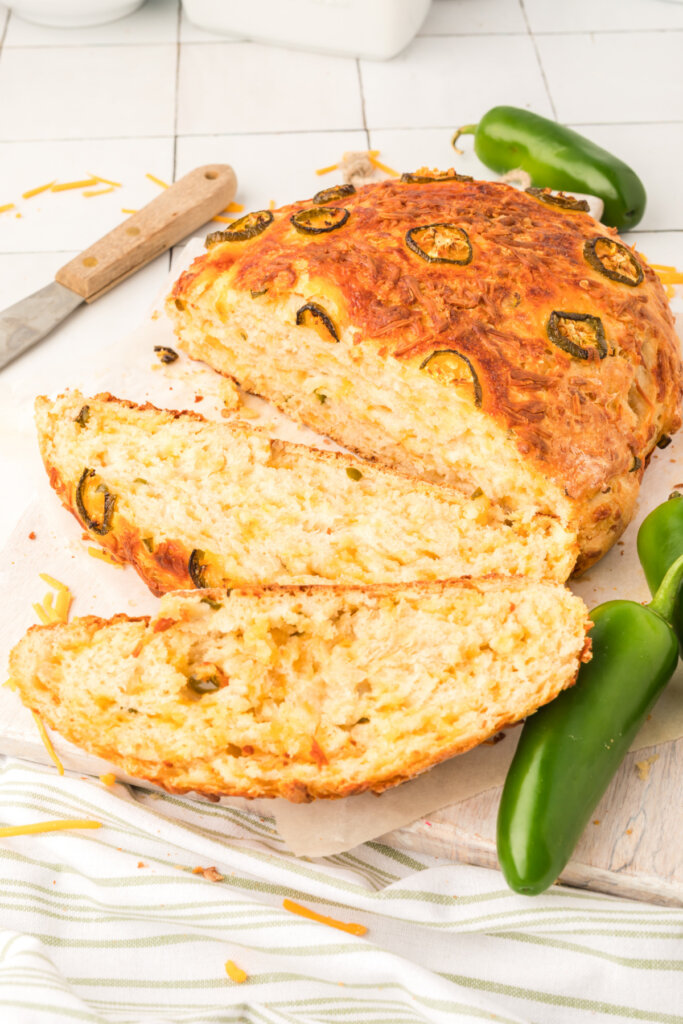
[[376, 29], [74, 13]]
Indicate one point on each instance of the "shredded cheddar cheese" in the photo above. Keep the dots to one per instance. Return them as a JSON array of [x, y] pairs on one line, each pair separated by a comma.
[[234, 972], [10, 682], [296, 908], [47, 826], [42, 614], [327, 170], [60, 612], [124, 210], [224, 220], [234, 208], [382, 167], [67, 186], [108, 779], [47, 742], [157, 181], [6, 207], [104, 556], [105, 181], [98, 192], [36, 191]]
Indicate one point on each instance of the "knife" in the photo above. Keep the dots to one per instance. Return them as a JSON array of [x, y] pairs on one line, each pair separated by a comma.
[[176, 213]]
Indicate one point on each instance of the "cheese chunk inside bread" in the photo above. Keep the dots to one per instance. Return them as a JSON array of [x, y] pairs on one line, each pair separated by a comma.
[[196, 503], [304, 692]]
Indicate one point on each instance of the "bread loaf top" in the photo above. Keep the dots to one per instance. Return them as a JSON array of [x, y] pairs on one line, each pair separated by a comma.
[[534, 315]]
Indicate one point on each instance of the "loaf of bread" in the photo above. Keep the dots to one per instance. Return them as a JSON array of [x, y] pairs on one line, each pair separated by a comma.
[[463, 331], [304, 692], [193, 503]]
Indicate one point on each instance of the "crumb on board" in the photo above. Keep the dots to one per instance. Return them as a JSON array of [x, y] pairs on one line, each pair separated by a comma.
[[596, 821], [211, 874], [32, 535], [141, 864], [644, 767], [492, 740]]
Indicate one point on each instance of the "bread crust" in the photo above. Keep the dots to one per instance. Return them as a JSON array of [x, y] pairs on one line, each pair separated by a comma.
[[589, 425], [33, 661]]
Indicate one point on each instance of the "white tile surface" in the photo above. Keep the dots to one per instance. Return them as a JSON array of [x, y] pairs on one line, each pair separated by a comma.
[[271, 167], [191, 33], [441, 81], [87, 92], [614, 77], [68, 220], [246, 87], [155, 22], [651, 151], [602, 15], [460, 17]]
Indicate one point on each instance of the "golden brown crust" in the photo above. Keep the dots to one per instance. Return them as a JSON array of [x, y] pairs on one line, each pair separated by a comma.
[[590, 424]]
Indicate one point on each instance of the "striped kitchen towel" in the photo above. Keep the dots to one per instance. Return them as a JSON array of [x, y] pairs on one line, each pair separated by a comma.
[[180, 912]]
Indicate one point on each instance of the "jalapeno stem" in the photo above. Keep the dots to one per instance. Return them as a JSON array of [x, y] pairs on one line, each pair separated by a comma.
[[467, 129], [664, 600]]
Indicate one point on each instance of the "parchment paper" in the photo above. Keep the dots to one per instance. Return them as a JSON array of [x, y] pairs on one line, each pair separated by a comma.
[[324, 827]]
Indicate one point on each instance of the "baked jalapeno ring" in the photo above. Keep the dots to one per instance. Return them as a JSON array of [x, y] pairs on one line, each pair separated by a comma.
[[564, 202], [577, 334], [318, 220], [452, 367], [415, 178], [440, 243], [249, 226], [613, 260], [328, 195], [203, 570], [89, 488], [313, 315]]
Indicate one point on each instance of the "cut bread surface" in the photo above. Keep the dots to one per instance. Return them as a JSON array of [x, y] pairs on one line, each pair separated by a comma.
[[191, 502], [304, 692]]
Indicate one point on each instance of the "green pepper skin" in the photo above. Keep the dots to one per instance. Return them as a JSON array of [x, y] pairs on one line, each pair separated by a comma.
[[559, 158], [660, 543], [570, 749]]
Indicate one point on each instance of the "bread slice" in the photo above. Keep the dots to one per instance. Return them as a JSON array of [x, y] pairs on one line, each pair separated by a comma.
[[199, 503], [309, 692], [462, 331]]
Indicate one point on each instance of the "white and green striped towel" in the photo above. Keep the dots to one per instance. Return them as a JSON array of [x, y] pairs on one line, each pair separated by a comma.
[[112, 926]]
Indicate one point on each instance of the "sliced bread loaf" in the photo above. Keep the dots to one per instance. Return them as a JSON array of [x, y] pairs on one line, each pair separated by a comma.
[[193, 503], [304, 692]]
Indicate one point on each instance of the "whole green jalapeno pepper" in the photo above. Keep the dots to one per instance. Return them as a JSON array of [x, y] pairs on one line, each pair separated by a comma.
[[557, 157], [570, 749], [660, 543]]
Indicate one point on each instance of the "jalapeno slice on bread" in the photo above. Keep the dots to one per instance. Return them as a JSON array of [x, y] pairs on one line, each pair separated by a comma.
[[249, 226], [95, 503], [561, 200], [313, 315], [613, 260], [451, 367], [578, 334], [329, 195], [318, 220], [440, 243], [415, 178]]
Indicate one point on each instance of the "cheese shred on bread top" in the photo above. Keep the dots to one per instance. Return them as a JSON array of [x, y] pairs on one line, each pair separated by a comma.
[[304, 692], [196, 503], [462, 331]]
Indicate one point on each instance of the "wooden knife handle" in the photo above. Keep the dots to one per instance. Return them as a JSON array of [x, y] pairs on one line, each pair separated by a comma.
[[176, 213]]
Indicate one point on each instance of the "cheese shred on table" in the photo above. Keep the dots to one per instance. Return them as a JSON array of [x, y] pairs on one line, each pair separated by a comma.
[[36, 191], [47, 742], [157, 181], [234, 972], [105, 181], [104, 556], [47, 826], [296, 908], [68, 185]]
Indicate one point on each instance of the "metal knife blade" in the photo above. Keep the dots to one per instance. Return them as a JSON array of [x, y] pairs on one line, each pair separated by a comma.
[[27, 321]]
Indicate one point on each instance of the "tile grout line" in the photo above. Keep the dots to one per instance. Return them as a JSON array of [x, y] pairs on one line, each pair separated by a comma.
[[3, 35], [362, 103], [174, 160], [538, 59]]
